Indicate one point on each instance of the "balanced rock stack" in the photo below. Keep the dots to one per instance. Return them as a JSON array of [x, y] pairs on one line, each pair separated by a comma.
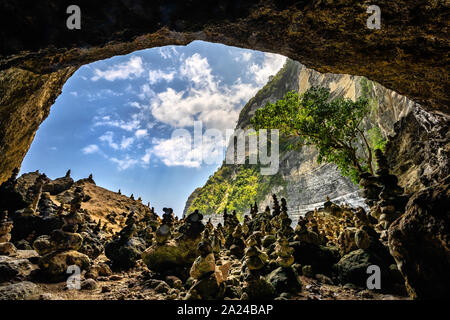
[[392, 200], [60, 250], [171, 254], [6, 247], [237, 245], [124, 250], [203, 270], [371, 189], [254, 257], [46, 206]]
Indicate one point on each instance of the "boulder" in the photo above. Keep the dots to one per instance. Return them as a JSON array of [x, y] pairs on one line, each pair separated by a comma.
[[352, 268], [419, 241], [172, 254], [100, 270], [321, 258], [54, 265], [13, 268], [89, 284], [284, 280], [20, 291], [124, 255], [259, 289], [207, 288]]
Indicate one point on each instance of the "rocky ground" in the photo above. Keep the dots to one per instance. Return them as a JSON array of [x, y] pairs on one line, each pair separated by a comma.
[[137, 284], [124, 250]]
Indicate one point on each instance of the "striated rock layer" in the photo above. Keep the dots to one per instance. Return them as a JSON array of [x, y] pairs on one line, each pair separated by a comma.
[[409, 54], [301, 180]]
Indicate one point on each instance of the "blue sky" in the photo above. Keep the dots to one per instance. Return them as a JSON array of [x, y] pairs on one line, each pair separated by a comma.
[[115, 118]]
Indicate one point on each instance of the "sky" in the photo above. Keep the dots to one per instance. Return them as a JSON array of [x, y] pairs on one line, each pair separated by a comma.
[[116, 119]]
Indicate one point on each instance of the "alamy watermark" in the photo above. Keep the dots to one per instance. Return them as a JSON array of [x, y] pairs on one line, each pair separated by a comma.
[[374, 20], [74, 20], [74, 280], [374, 281]]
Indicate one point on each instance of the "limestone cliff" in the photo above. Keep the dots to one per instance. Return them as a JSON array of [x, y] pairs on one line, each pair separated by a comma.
[[300, 179]]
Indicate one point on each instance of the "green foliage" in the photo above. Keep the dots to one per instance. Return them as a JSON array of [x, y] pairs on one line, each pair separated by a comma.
[[235, 188], [376, 139], [368, 93], [332, 126]]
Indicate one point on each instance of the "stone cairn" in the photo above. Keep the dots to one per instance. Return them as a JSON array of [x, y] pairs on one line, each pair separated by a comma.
[[61, 248], [392, 199], [384, 196], [46, 206], [124, 250], [34, 193], [6, 247]]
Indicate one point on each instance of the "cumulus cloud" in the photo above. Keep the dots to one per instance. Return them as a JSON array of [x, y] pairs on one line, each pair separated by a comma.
[[141, 133], [272, 63], [205, 98], [126, 70], [217, 106], [92, 148], [126, 143], [181, 150], [243, 56], [155, 76], [146, 157]]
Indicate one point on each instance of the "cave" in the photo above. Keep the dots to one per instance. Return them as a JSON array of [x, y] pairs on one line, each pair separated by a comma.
[[408, 54]]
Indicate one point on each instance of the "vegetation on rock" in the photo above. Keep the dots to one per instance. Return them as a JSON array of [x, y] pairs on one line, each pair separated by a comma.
[[332, 126]]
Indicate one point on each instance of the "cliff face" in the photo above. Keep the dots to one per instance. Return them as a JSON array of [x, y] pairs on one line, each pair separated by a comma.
[[409, 54], [301, 180]]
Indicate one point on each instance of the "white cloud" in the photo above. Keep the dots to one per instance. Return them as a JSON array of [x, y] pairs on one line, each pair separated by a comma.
[[206, 98], [130, 125], [126, 143], [244, 56], [176, 152], [135, 104], [141, 133], [146, 92], [109, 138], [272, 63], [168, 52], [180, 150], [155, 76], [126, 163], [146, 157], [92, 148], [126, 70], [217, 106]]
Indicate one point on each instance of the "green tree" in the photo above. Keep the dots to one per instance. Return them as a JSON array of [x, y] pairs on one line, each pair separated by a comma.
[[333, 126]]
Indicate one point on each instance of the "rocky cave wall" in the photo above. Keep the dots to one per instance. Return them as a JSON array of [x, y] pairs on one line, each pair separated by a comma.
[[409, 54]]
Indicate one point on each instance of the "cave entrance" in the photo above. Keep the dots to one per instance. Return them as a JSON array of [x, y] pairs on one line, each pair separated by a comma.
[[114, 118]]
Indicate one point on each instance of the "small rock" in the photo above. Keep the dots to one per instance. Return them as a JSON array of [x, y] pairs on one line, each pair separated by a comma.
[[89, 284], [162, 287], [7, 249], [307, 271], [106, 289]]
